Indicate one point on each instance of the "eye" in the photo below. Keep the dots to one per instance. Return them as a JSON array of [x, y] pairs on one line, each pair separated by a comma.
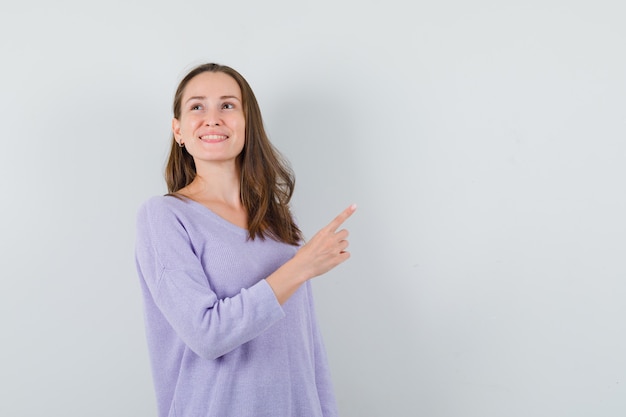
[[196, 107], [228, 106]]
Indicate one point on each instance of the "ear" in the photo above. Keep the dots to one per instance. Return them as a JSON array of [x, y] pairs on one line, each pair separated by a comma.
[[176, 129]]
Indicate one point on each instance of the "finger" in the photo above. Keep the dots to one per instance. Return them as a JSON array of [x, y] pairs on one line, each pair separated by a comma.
[[342, 234], [342, 217]]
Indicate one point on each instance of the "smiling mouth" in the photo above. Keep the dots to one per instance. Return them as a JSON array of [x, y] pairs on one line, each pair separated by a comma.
[[213, 138]]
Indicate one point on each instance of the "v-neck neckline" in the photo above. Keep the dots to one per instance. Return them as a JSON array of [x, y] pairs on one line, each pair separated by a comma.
[[201, 208]]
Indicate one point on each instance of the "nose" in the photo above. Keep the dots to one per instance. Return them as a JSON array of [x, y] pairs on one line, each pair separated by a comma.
[[213, 118]]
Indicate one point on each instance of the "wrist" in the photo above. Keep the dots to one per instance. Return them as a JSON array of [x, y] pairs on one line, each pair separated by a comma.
[[296, 272], [286, 280]]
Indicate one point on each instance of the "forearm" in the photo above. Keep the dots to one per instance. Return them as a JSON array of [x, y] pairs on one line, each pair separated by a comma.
[[323, 252], [212, 327], [287, 279]]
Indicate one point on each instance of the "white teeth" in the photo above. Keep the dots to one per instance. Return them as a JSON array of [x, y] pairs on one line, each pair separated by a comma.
[[213, 137]]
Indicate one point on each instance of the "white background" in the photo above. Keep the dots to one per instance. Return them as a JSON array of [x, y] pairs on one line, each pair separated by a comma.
[[483, 141]]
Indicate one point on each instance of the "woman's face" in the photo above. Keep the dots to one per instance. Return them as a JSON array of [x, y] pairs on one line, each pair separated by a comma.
[[212, 122]]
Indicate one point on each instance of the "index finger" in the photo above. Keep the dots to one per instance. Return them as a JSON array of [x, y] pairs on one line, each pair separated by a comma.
[[342, 217]]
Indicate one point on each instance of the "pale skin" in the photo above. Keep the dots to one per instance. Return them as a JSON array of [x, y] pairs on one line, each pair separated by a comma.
[[323, 252], [212, 128]]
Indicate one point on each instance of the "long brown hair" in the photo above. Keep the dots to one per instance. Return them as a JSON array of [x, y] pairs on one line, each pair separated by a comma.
[[267, 181]]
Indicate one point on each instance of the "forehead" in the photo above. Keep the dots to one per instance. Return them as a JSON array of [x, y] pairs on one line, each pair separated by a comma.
[[212, 84]]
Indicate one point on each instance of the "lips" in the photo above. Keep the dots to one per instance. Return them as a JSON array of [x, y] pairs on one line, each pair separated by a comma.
[[213, 138]]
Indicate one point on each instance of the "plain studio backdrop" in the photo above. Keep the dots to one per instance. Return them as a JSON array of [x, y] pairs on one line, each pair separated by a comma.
[[484, 142]]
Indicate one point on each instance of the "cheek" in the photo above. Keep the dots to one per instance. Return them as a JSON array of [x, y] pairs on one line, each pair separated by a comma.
[[241, 126], [189, 125]]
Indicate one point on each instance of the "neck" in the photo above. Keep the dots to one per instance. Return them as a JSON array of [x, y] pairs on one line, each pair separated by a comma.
[[220, 183]]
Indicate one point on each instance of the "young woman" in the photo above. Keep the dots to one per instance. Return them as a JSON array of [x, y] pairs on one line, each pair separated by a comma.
[[229, 313]]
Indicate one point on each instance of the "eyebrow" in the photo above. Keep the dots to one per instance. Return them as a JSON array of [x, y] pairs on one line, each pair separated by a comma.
[[204, 98]]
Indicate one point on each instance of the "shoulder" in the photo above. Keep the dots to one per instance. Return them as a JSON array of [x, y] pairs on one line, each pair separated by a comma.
[[162, 208], [165, 219], [164, 203]]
